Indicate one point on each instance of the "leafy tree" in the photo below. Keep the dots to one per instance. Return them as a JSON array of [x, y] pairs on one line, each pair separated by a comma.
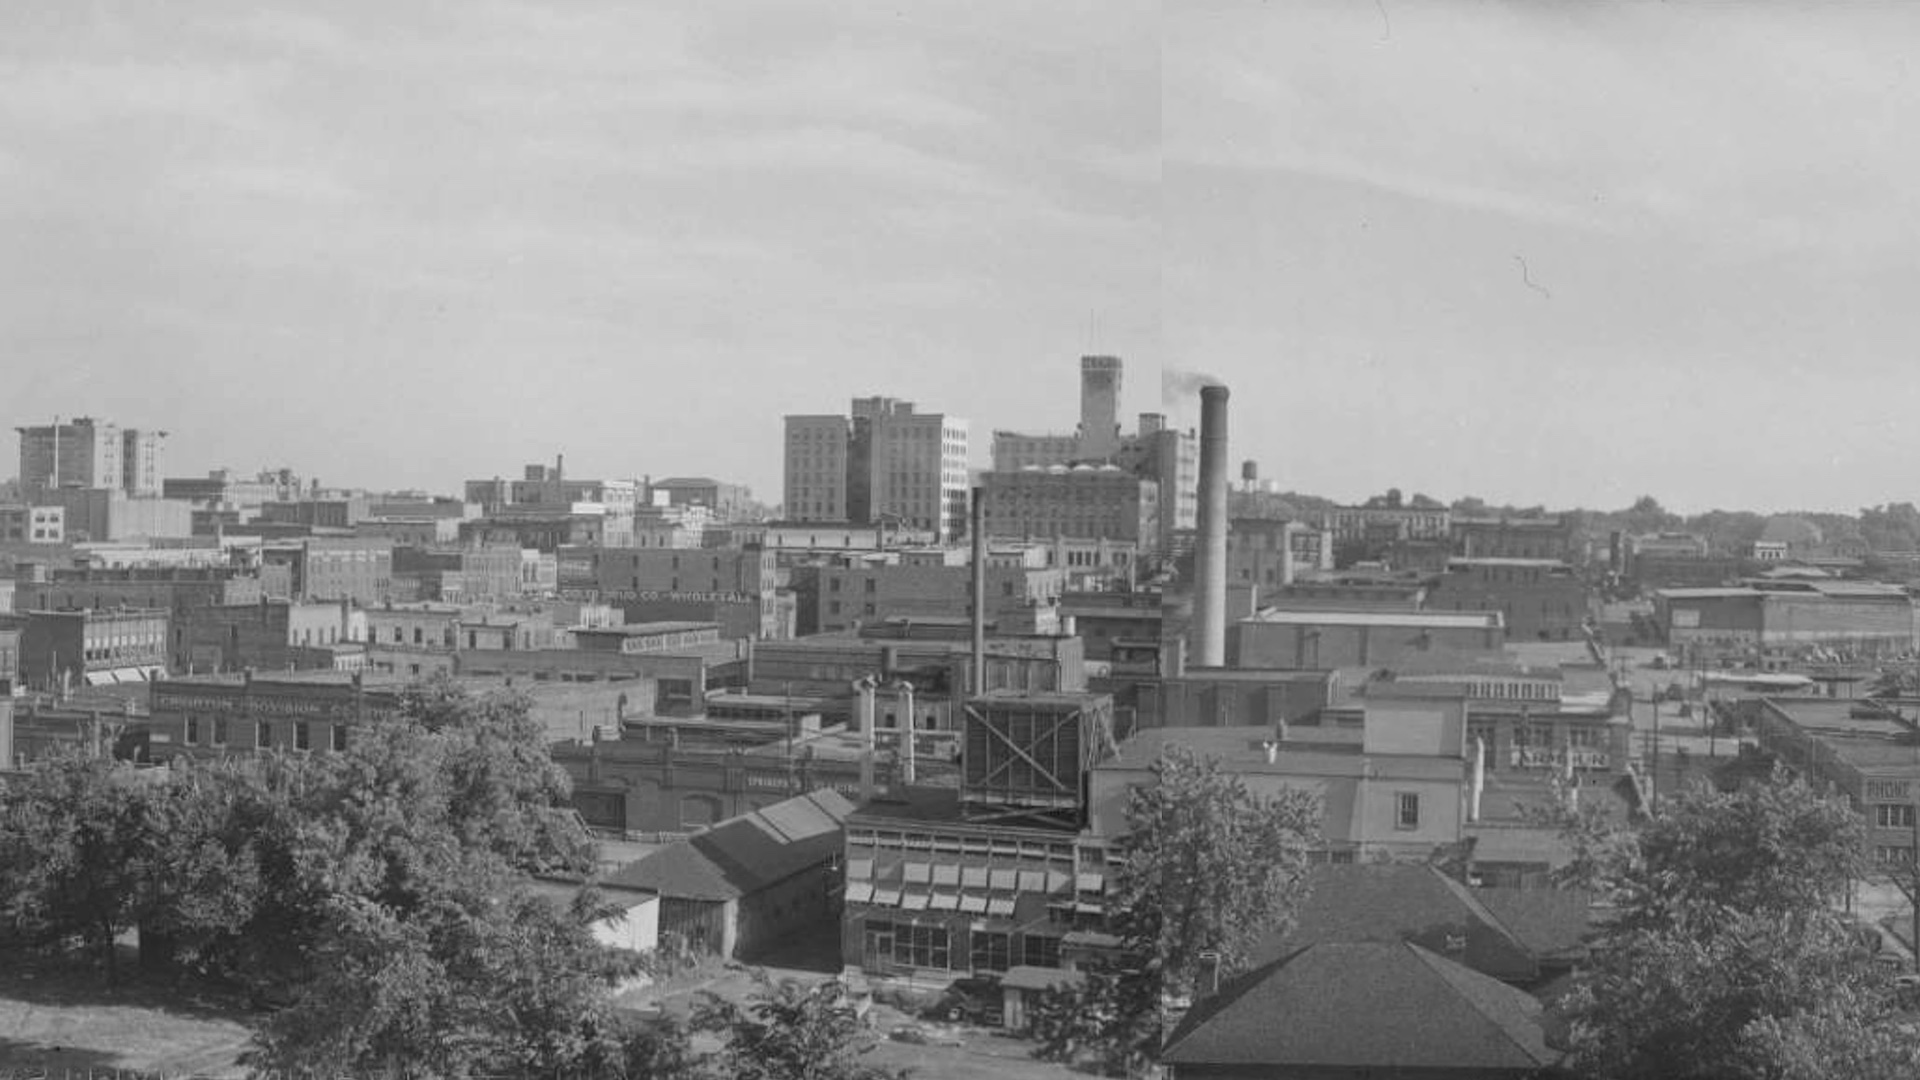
[[1725, 945], [73, 834], [1857, 1039], [789, 1031], [1211, 869], [1714, 993], [1771, 845], [480, 979]]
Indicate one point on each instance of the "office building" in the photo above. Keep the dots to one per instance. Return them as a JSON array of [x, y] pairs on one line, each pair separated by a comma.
[[883, 463]]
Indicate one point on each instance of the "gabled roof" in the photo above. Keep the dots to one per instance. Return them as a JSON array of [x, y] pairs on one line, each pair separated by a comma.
[[1395, 902], [1553, 924], [1365, 1005], [744, 854]]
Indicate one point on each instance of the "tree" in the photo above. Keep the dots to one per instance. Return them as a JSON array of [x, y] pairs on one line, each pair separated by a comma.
[[72, 838], [1210, 870], [789, 1031], [482, 978], [1725, 945]]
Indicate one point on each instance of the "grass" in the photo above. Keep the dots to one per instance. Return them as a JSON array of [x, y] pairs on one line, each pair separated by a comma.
[[59, 1017]]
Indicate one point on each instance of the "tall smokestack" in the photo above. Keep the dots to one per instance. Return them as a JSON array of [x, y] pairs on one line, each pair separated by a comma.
[[979, 527], [1210, 556]]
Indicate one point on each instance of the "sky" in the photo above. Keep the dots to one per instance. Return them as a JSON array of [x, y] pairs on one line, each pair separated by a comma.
[[1562, 253]]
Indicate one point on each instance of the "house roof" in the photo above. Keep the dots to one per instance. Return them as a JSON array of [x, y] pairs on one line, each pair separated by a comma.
[[1365, 1005], [1551, 923], [744, 854], [1394, 902]]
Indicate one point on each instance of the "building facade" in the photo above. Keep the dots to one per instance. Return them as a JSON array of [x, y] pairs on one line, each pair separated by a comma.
[[1082, 502]]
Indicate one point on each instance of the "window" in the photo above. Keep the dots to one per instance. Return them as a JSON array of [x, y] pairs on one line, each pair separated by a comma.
[[1407, 810], [1892, 854], [870, 584], [302, 740], [922, 946], [263, 734], [220, 731], [1039, 951], [339, 738], [418, 638], [1896, 816], [991, 951], [833, 607], [193, 730]]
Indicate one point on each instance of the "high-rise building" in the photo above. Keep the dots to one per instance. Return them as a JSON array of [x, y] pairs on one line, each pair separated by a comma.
[[817, 473], [140, 461], [89, 453], [1099, 407], [884, 463]]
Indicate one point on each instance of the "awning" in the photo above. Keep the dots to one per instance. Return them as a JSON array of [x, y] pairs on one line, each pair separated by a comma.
[[974, 877], [1058, 880], [859, 893], [1033, 881], [859, 869], [945, 901], [1091, 882], [974, 902], [914, 901], [886, 897], [1003, 880], [946, 874], [1000, 905], [918, 873]]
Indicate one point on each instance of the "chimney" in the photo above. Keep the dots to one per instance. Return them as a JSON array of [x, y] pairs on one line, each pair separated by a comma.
[[979, 527], [1210, 561], [1479, 787], [863, 719], [1209, 981]]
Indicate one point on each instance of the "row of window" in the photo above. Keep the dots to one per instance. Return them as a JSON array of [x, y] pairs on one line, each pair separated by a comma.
[[923, 946], [218, 731]]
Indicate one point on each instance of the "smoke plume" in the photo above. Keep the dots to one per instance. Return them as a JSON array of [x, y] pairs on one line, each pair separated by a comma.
[[1176, 386]]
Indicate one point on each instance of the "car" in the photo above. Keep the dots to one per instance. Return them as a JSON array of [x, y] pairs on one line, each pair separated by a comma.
[[974, 999]]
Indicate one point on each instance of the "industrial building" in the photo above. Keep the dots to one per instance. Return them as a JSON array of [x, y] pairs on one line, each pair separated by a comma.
[[1773, 618], [882, 462]]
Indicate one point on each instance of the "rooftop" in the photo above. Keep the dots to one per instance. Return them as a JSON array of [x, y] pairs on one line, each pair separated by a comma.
[[647, 629], [1429, 620], [370, 680], [1370, 1005], [1242, 750]]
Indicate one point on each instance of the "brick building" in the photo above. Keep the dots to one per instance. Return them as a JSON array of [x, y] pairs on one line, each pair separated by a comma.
[[1538, 599], [1339, 639], [60, 650], [1089, 502], [210, 715], [318, 568]]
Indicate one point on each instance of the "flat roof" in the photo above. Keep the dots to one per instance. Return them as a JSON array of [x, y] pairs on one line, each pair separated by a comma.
[[370, 680], [1241, 749], [643, 629], [1503, 561], [1436, 620], [1717, 593]]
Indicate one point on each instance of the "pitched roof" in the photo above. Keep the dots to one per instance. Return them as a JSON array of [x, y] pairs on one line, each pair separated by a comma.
[[1395, 902], [1365, 1005], [1552, 923], [744, 854]]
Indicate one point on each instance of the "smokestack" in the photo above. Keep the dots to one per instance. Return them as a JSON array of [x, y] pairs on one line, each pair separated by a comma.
[[979, 527], [1210, 562], [863, 718]]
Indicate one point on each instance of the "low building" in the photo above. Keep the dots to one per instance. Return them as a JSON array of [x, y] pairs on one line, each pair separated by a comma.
[[646, 637], [173, 588], [1362, 1009], [1552, 537], [931, 893], [60, 650], [1538, 599], [1267, 554], [33, 524], [1777, 617], [751, 881], [1866, 752], [211, 715], [266, 634], [1340, 639], [1019, 598], [331, 568]]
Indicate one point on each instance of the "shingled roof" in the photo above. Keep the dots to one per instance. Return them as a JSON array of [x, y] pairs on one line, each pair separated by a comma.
[[1497, 932], [744, 854], [1365, 1005]]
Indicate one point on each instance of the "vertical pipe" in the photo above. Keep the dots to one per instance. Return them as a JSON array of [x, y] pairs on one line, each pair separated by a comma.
[[979, 538], [1210, 561]]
